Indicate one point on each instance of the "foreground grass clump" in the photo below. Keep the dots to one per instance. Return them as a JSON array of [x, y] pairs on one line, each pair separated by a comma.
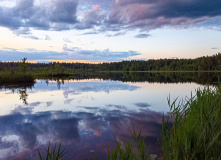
[[133, 150], [52, 153], [196, 130]]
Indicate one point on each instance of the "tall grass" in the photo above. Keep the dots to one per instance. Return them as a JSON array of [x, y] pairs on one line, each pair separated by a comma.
[[52, 153], [132, 150], [196, 130], [14, 77]]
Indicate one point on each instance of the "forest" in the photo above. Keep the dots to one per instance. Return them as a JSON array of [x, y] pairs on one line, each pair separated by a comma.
[[205, 63]]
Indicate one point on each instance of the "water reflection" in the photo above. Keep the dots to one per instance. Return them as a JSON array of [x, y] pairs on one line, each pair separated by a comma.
[[154, 77], [22, 132], [83, 115], [23, 95], [15, 86], [86, 85]]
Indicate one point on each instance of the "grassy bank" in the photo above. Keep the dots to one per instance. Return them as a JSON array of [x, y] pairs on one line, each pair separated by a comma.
[[161, 77], [196, 131], [15, 77]]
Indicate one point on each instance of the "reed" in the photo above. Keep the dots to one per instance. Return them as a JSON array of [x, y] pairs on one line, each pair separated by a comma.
[[52, 153], [132, 150], [196, 130]]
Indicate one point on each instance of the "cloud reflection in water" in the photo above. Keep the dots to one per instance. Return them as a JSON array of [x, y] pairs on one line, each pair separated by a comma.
[[79, 132], [83, 116]]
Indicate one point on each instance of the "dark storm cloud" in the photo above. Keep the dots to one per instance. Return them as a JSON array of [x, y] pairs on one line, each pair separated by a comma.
[[151, 14], [122, 15], [175, 8], [7, 19], [64, 11], [51, 15]]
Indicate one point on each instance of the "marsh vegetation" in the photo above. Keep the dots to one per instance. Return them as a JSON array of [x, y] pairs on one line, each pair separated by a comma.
[[196, 130]]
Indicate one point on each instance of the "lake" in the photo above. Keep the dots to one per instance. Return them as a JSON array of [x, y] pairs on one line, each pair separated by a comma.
[[85, 115]]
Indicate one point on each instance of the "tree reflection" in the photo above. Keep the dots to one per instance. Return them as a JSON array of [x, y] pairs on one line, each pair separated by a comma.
[[23, 95], [58, 84], [152, 77]]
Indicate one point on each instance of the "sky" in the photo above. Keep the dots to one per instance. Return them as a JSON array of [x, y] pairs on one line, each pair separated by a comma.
[[108, 30]]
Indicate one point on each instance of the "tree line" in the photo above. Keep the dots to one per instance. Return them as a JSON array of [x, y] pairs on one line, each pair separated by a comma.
[[205, 63]]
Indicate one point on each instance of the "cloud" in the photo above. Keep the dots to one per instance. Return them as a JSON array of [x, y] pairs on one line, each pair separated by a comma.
[[142, 35], [32, 37], [48, 104], [26, 33], [28, 127], [91, 18], [73, 53], [67, 40], [35, 104], [10, 54], [47, 37], [48, 15], [90, 33], [142, 105], [22, 31], [174, 57], [98, 55], [116, 34], [104, 86], [121, 15], [149, 14], [120, 107]]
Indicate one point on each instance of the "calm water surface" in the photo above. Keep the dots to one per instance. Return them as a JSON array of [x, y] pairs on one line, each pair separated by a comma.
[[83, 115]]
